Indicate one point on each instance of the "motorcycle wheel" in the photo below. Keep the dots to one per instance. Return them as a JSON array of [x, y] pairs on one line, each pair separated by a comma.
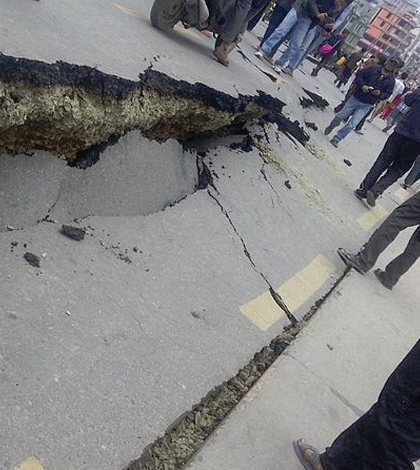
[[165, 14]]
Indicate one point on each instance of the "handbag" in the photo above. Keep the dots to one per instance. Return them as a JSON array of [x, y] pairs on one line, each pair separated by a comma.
[[326, 49]]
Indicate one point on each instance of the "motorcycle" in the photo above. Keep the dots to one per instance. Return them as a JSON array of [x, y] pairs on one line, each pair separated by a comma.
[[199, 14]]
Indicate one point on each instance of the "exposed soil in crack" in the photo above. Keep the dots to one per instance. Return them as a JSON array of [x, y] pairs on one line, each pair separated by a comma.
[[189, 432], [76, 111]]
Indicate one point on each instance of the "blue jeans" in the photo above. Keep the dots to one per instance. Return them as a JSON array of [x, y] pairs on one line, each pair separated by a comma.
[[280, 32], [293, 53], [414, 174], [354, 108], [300, 53]]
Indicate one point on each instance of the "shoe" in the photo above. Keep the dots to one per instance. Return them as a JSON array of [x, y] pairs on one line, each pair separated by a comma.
[[257, 48], [268, 58], [334, 142], [288, 71], [359, 131], [351, 260], [221, 52], [277, 69], [404, 186], [314, 73], [328, 130], [381, 278], [360, 194], [385, 129], [371, 198]]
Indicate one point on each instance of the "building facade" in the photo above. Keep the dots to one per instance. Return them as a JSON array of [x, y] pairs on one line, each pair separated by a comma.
[[390, 30]]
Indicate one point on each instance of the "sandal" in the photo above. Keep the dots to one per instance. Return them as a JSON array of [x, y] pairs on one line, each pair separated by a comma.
[[300, 446]]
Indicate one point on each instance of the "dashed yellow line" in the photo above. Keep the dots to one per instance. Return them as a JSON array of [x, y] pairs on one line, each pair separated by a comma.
[[371, 218], [402, 194], [263, 312], [30, 464]]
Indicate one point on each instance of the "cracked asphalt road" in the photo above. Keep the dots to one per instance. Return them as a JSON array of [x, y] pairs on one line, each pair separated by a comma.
[[99, 356]]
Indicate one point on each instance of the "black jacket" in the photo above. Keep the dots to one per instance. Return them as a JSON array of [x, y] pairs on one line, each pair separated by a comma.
[[373, 77], [409, 126]]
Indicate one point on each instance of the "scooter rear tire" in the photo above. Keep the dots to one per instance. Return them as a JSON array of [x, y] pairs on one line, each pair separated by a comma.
[[165, 14]]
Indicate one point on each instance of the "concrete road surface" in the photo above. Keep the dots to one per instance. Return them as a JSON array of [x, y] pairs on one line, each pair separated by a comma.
[[113, 338]]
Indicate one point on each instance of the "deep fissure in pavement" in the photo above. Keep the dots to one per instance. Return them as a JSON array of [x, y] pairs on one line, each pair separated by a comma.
[[77, 111], [189, 432]]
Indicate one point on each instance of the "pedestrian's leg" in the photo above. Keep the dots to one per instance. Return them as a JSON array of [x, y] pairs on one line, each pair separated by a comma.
[[279, 43], [298, 35], [402, 263], [362, 122], [342, 115], [285, 26], [300, 53], [387, 437], [279, 13], [414, 174], [405, 215], [235, 20], [255, 13], [359, 113], [403, 160], [384, 161]]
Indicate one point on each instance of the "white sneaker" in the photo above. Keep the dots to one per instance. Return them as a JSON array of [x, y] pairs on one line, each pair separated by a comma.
[[259, 54], [277, 69]]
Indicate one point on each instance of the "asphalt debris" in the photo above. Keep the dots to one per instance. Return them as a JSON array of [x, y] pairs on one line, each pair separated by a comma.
[[287, 184], [75, 233], [32, 259], [347, 162], [311, 125], [318, 100]]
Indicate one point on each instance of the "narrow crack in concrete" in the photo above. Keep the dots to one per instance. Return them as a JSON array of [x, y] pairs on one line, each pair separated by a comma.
[[276, 297], [188, 433]]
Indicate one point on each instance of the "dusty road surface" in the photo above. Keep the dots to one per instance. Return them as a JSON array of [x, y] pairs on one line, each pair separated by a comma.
[[209, 229]]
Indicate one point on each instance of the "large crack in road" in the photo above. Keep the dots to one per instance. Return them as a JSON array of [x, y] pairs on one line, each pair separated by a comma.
[[72, 110], [76, 112]]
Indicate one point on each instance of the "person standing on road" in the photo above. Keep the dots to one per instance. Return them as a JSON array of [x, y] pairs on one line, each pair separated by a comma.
[[399, 112], [349, 67], [299, 18], [404, 216], [280, 11], [387, 437], [397, 156], [232, 22], [372, 85]]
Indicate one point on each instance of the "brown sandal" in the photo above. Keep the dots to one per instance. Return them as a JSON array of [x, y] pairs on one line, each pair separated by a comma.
[[300, 446]]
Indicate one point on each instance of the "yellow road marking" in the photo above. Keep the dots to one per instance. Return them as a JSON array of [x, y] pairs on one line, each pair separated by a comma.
[[263, 312], [30, 464], [303, 285], [129, 12], [371, 218], [402, 194]]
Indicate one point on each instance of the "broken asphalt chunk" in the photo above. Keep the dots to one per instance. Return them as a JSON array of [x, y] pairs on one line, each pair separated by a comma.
[[75, 233], [347, 162], [32, 259]]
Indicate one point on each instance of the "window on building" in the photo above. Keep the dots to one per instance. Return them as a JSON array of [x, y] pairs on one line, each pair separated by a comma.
[[386, 37], [383, 23], [389, 15]]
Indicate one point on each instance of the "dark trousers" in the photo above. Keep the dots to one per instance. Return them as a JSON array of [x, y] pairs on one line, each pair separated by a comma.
[[279, 13], [257, 10], [387, 437], [404, 216], [395, 160], [344, 77]]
